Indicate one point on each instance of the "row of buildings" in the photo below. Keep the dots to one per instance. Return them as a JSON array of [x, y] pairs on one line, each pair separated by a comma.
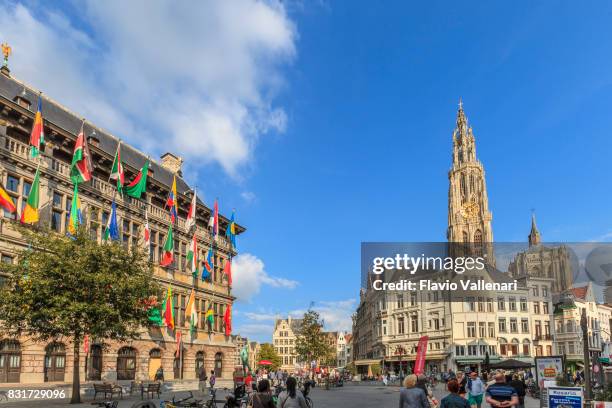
[[540, 317], [23, 360], [284, 337]]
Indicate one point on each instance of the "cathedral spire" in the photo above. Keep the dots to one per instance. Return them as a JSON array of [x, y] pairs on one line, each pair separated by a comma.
[[461, 120], [534, 235]]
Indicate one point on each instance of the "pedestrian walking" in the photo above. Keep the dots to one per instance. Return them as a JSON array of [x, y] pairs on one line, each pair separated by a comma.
[[263, 397], [500, 394], [202, 378], [411, 396], [212, 380], [291, 398], [453, 400], [519, 386], [476, 389]]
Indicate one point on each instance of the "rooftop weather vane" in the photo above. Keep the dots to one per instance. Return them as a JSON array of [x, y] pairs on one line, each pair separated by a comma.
[[6, 51]]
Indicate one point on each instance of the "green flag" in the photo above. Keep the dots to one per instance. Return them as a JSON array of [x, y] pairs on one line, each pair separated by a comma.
[[139, 184]]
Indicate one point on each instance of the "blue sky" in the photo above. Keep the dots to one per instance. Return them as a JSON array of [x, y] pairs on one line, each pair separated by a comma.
[[326, 124]]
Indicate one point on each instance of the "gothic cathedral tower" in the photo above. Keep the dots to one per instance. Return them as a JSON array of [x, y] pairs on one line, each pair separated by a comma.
[[469, 218]]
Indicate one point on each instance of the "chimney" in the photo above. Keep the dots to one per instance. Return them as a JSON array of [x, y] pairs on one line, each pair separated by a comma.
[[172, 163]]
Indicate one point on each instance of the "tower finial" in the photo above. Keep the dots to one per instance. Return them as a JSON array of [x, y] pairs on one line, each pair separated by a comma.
[[534, 234], [460, 103]]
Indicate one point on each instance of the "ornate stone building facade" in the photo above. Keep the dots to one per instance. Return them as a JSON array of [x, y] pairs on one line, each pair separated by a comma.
[[469, 218], [23, 360], [540, 261], [283, 340]]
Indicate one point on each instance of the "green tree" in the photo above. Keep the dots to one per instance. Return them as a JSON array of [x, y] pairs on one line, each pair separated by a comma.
[[267, 352], [74, 287], [311, 343]]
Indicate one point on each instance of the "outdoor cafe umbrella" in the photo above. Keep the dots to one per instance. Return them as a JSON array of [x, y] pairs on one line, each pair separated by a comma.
[[510, 363], [265, 362]]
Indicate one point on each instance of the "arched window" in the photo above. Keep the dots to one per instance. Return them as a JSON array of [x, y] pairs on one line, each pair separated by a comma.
[[126, 363], [218, 365], [526, 345], [472, 186], [503, 346], [199, 361], [55, 362], [514, 347], [478, 237], [94, 367], [463, 189], [10, 361], [465, 237]]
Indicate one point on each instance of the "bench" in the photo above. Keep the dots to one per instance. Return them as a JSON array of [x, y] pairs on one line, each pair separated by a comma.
[[107, 390], [152, 388]]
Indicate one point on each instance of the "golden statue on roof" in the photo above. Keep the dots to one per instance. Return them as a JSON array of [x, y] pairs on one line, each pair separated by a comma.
[[6, 51]]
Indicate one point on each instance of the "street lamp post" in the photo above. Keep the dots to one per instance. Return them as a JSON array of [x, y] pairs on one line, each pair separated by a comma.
[[587, 365]]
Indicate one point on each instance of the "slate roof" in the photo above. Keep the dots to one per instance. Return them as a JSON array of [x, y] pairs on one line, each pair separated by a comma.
[[58, 115]]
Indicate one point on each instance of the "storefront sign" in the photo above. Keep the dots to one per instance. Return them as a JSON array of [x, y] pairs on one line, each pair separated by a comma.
[[548, 369], [565, 397]]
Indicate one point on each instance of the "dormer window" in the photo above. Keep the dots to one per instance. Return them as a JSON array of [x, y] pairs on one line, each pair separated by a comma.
[[94, 141], [23, 102]]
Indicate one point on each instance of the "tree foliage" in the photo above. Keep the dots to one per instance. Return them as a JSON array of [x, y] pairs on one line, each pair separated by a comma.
[[73, 286], [311, 342], [267, 352]]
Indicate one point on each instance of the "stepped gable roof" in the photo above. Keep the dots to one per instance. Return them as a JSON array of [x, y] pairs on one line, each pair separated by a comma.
[[60, 116], [579, 292]]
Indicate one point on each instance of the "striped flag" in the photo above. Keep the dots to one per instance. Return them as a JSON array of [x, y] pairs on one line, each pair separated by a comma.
[[81, 167], [227, 270], [168, 255], [227, 319], [139, 184], [191, 215], [37, 137], [74, 219], [192, 256], [30, 211], [213, 223], [191, 312], [168, 310], [172, 202], [112, 228], [146, 236], [117, 172]]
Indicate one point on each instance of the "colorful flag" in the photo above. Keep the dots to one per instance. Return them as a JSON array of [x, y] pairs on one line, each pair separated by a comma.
[[112, 228], [230, 232], [168, 255], [209, 264], [191, 312], [227, 319], [117, 172], [227, 270], [168, 310], [172, 202], [37, 137], [30, 211], [81, 167], [215, 225], [210, 318], [419, 364], [6, 201], [191, 215], [74, 218], [139, 184], [155, 316], [192, 256], [146, 235]]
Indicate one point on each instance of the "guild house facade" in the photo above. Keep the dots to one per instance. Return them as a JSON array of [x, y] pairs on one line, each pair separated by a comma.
[[23, 360]]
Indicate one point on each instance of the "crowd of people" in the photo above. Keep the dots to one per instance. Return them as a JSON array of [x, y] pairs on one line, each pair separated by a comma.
[[467, 390]]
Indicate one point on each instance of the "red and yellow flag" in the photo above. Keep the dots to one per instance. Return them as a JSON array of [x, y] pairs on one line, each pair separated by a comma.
[[6, 201], [37, 137]]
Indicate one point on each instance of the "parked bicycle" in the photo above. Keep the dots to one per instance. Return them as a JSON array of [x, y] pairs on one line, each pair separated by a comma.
[[106, 404], [188, 402]]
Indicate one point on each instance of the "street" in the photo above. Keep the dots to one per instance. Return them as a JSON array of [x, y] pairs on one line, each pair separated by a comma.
[[354, 396]]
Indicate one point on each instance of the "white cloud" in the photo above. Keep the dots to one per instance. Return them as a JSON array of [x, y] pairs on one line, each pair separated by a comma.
[[336, 314], [249, 275], [197, 78], [248, 196]]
